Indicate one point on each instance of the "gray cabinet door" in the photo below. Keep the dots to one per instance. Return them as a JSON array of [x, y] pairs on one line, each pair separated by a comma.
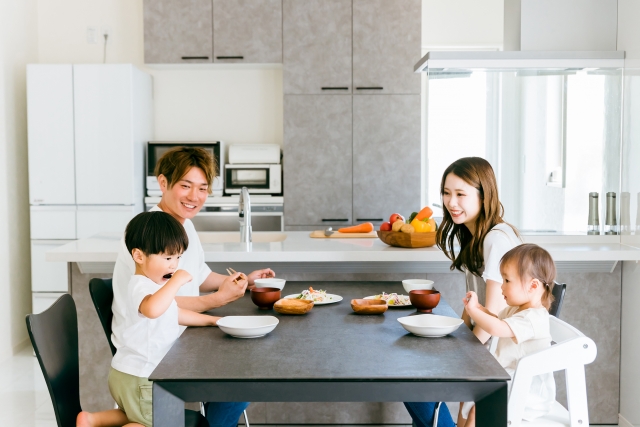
[[387, 153], [248, 31], [316, 46], [386, 45], [178, 31], [317, 159]]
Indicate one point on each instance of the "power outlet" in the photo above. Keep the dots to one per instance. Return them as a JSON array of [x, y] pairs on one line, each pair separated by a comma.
[[105, 30], [92, 35]]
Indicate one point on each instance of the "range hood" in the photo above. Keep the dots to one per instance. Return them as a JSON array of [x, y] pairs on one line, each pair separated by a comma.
[[439, 61]]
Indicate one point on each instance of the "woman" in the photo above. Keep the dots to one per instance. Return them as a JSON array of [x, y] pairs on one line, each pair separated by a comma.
[[472, 216]]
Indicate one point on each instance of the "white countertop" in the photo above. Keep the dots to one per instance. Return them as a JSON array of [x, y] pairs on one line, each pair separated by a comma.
[[299, 247]]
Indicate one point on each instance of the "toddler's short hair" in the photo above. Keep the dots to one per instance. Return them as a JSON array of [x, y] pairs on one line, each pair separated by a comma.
[[535, 262], [156, 233]]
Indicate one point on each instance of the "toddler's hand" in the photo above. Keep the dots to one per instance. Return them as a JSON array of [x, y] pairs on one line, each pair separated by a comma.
[[182, 276], [471, 300]]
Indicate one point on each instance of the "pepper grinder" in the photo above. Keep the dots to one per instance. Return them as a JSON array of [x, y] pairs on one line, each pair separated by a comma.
[[594, 217], [625, 213], [610, 223]]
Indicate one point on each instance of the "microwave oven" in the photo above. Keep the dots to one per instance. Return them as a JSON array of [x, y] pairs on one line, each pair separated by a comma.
[[259, 179], [155, 150]]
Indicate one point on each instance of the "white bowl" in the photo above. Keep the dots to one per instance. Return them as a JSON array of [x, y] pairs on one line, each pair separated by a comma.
[[248, 326], [416, 284], [271, 282], [430, 325]]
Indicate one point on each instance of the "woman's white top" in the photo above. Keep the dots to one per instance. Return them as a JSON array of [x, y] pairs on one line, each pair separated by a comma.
[[532, 333], [192, 261], [498, 241], [143, 341]]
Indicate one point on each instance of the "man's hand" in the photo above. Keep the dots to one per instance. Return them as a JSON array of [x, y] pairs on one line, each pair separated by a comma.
[[230, 290], [260, 274]]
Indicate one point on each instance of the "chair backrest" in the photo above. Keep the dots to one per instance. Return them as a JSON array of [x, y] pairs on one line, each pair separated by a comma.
[[54, 336], [102, 296], [558, 297]]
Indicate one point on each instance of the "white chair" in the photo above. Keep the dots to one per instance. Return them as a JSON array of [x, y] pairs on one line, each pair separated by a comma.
[[571, 352]]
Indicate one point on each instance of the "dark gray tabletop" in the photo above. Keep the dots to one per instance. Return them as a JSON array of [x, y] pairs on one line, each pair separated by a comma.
[[330, 343]]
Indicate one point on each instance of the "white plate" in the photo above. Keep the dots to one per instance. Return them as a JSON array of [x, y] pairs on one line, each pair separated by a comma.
[[248, 326], [430, 325], [334, 298], [391, 306], [270, 282]]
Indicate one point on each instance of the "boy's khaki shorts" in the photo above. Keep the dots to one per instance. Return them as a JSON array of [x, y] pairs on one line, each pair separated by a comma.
[[133, 396]]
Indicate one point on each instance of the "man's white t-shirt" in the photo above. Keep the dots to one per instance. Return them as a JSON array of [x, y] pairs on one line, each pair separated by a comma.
[[192, 261], [143, 341]]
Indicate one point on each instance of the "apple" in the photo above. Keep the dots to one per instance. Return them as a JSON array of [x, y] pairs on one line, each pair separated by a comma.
[[385, 226], [394, 217]]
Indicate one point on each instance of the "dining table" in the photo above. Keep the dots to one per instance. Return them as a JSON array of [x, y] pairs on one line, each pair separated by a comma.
[[330, 354]]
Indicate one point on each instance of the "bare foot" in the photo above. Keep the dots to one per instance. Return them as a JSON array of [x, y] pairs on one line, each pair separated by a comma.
[[84, 419]]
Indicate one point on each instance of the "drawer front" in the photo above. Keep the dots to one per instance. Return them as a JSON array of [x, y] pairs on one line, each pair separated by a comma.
[[48, 276], [42, 301], [53, 223], [103, 219]]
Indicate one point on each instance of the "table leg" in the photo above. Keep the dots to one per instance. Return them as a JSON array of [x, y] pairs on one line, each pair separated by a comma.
[[168, 409], [491, 411]]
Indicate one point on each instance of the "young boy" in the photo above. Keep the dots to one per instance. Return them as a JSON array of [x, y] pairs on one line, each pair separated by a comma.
[[154, 321]]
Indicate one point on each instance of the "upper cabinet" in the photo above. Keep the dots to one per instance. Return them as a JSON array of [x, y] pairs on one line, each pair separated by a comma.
[[386, 45], [317, 46], [247, 31], [178, 31]]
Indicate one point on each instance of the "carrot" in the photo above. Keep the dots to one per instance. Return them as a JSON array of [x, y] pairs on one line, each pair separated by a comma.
[[366, 227], [425, 213]]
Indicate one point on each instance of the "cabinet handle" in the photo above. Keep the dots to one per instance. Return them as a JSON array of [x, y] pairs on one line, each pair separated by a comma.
[[195, 57], [370, 88], [229, 57], [369, 219], [334, 220], [334, 88]]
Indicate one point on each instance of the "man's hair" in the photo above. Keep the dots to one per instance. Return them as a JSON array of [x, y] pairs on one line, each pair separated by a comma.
[[156, 233], [176, 162], [533, 262]]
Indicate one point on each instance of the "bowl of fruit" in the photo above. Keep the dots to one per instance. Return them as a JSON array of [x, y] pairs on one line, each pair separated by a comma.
[[418, 232]]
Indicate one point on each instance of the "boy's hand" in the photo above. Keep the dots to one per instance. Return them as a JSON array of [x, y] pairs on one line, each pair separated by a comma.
[[182, 277], [471, 300]]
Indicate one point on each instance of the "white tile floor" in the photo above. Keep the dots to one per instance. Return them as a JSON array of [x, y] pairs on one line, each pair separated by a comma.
[[24, 398]]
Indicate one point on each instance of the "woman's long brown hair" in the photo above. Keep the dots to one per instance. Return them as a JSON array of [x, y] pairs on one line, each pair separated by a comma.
[[478, 173]]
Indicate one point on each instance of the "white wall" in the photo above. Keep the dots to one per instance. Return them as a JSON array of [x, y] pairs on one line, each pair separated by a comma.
[[17, 48]]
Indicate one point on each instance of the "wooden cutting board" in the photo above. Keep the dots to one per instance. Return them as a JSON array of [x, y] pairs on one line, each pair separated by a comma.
[[319, 234]]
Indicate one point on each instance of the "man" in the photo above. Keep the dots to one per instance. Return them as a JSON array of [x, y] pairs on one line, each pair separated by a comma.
[[185, 176]]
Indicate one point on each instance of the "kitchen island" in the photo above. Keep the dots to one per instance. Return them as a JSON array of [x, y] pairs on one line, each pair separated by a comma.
[[592, 267]]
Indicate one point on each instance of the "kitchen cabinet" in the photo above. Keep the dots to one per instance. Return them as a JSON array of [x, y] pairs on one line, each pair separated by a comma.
[[247, 31], [178, 31], [317, 51], [386, 160], [317, 166], [386, 45]]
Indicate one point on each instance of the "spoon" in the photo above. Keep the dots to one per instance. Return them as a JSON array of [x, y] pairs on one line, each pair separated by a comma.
[[329, 231]]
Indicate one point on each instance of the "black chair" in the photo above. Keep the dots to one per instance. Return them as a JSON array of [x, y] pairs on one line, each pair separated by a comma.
[[54, 336], [101, 291], [558, 292]]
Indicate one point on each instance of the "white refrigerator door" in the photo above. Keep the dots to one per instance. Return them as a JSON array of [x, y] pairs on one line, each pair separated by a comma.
[[104, 155], [47, 276], [53, 222], [103, 219], [50, 131]]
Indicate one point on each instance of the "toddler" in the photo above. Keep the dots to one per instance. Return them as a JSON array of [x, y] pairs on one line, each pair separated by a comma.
[[154, 322], [522, 328]]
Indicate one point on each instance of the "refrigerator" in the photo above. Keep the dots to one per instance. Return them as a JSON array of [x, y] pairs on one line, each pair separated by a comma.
[[87, 129]]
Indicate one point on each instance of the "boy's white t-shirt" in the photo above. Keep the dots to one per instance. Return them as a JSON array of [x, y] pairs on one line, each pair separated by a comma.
[[532, 333], [192, 261], [143, 341]]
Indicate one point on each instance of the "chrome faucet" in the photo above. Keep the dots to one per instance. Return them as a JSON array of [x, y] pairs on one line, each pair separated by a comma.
[[244, 212]]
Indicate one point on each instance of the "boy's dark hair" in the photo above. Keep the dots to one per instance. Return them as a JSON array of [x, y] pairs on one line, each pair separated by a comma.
[[156, 233]]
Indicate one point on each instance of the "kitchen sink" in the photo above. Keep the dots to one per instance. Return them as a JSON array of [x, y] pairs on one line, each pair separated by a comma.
[[234, 237]]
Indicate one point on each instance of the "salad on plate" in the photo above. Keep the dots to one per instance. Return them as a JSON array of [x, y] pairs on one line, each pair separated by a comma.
[[317, 296], [393, 299]]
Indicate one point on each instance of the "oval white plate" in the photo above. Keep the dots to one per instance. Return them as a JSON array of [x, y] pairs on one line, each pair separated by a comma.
[[248, 326], [415, 284], [430, 325], [334, 298], [270, 282], [392, 306]]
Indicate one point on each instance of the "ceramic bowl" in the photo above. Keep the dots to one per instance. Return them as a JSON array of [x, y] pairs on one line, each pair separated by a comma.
[[369, 306], [430, 325], [416, 284], [424, 300], [248, 326], [264, 298], [270, 282]]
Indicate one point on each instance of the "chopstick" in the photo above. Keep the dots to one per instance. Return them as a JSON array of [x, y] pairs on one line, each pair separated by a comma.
[[234, 272], [231, 272]]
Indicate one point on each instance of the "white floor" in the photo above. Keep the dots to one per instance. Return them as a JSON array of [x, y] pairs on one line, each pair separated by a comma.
[[24, 398]]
